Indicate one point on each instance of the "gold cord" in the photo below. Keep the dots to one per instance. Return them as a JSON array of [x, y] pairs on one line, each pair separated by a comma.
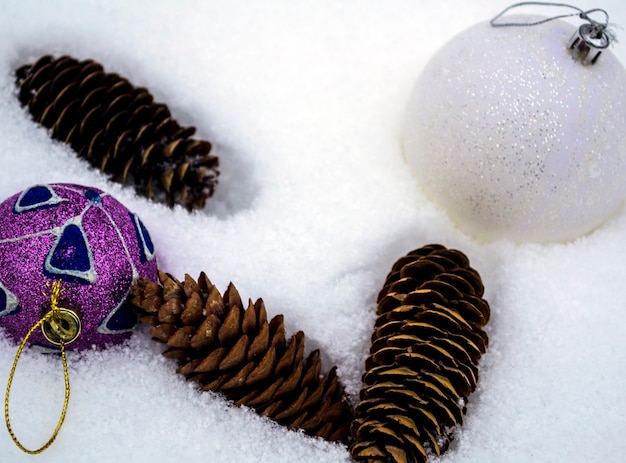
[[53, 314]]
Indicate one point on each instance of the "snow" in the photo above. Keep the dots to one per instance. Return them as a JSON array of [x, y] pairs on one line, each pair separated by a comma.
[[304, 101]]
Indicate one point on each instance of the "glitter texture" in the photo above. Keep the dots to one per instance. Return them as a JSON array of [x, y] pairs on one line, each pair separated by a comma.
[[82, 237], [514, 138]]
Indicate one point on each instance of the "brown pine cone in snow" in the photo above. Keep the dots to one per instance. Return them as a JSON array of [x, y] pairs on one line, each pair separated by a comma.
[[119, 129], [423, 362], [237, 351]]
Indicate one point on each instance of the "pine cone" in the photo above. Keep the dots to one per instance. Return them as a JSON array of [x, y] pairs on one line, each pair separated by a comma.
[[422, 367], [236, 351], [119, 129]]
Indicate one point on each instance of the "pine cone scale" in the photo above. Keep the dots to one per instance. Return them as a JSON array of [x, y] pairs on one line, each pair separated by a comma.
[[292, 409], [249, 322], [239, 379], [212, 361], [264, 369], [230, 328], [313, 368], [181, 338], [236, 355], [262, 397], [188, 368], [261, 344], [277, 332], [170, 311], [290, 383], [289, 356], [163, 331], [192, 312]]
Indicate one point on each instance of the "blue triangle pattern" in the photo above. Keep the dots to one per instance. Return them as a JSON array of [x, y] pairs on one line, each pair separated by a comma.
[[8, 302], [70, 259], [146, 238], [120, 320], [36, 198], [93, 196], [143, 237], [71, 251]]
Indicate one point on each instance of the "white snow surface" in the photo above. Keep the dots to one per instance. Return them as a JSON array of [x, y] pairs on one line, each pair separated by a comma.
[[303, 101]]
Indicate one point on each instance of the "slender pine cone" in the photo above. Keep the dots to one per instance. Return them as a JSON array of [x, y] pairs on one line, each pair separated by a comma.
[[423, 361], [238, 352], [119, 129]]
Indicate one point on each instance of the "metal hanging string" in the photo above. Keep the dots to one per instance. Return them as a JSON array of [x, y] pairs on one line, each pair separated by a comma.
[[579, 12]]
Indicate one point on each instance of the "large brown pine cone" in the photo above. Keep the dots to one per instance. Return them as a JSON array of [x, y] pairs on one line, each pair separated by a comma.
[[119, 129], [423, 362], [236, 351]]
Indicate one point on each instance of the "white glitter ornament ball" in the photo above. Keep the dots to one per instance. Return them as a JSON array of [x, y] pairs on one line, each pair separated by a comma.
[[515, 138]]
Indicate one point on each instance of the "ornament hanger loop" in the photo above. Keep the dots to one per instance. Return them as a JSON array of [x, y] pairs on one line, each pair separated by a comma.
[[60, 327], [580, 13], [587, 42]]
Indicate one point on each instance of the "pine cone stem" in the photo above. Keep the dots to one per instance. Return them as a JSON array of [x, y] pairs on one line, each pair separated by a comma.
[[240, 353]]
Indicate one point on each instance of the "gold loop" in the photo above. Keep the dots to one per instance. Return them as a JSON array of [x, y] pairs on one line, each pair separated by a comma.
[[52, 318]]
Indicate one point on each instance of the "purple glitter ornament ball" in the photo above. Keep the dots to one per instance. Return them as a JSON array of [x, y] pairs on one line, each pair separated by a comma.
[[86, 240]]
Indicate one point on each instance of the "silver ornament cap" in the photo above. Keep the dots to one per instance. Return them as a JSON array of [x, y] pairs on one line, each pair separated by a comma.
[[588, 42]]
